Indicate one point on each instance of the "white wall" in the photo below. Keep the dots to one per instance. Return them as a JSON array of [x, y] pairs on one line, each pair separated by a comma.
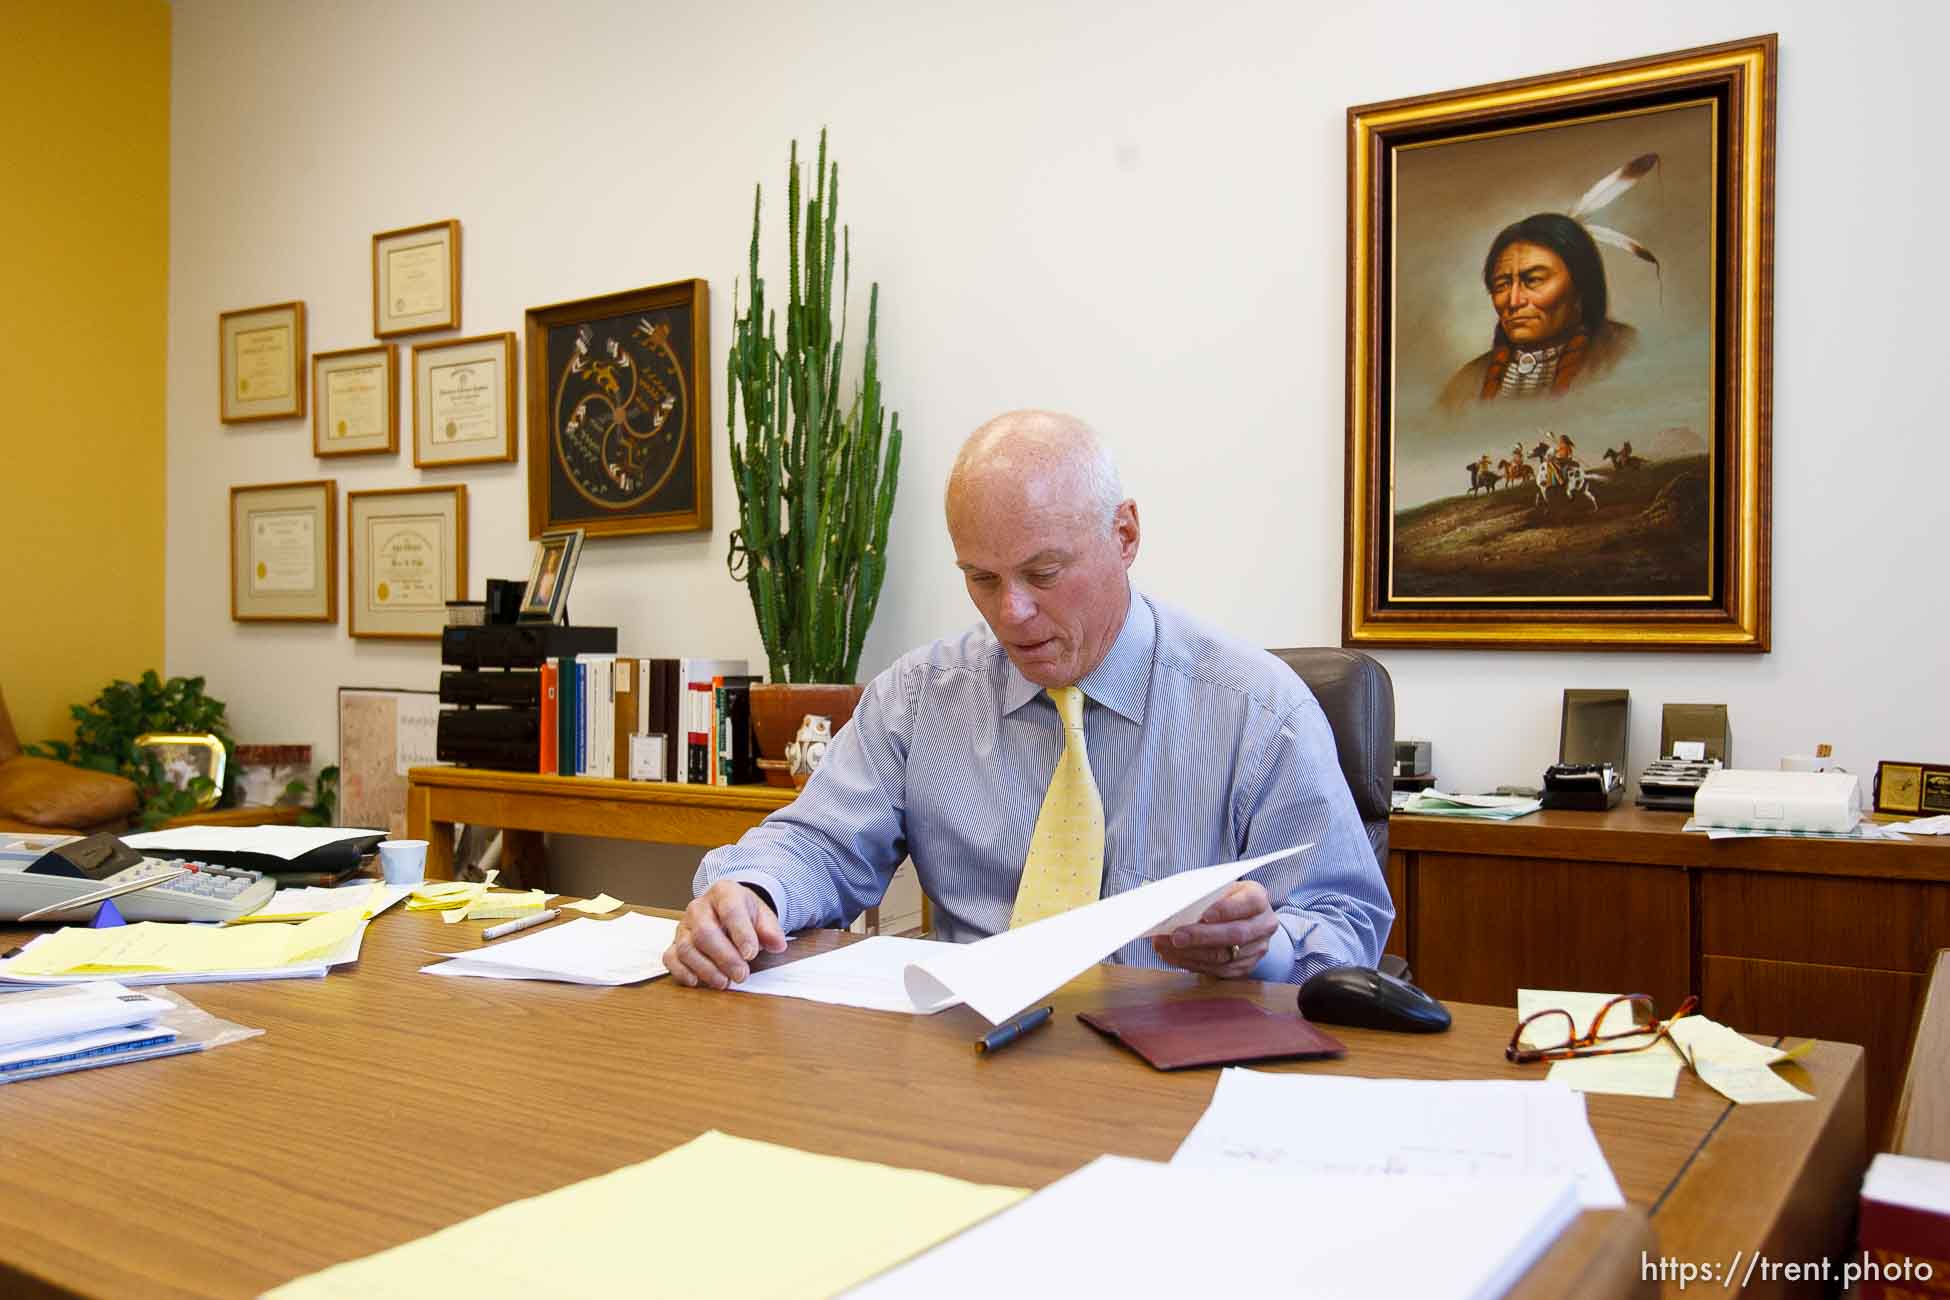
[[1134, 212]]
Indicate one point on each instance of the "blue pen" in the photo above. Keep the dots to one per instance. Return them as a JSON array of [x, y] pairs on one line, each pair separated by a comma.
[[1002, 1035]]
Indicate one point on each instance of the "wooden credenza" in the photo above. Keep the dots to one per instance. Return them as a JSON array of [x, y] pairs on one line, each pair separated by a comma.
[[1829, 938]]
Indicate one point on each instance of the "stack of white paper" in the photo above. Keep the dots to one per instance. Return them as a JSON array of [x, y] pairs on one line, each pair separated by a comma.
[[287, 842], [1131, 1227], [1330, 1124], [627, 950]]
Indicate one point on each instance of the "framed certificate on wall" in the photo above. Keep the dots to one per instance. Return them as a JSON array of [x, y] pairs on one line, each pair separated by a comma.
[[261, 363], [464, 401], [283, 552], [416, 279], [355, 401], [406, 557]]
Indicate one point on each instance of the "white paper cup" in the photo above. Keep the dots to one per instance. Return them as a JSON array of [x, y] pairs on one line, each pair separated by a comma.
[[404, 862]]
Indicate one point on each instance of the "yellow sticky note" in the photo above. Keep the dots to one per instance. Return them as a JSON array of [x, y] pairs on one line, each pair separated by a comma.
[[488, 906], [829, 1224], [600, 905], [1652, 1073]]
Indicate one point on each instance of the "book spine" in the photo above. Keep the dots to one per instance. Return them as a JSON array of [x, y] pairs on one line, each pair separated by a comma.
[[623, 721], [717, 698], [666, 720], [551, 724], [698, 735], [582, 719], [721, 734], [565, 713]]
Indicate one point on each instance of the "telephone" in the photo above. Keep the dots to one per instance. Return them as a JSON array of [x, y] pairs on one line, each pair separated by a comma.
[[37, 871]]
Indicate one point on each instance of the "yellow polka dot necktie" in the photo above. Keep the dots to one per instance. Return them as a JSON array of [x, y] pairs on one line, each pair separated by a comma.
[[1065, 868]]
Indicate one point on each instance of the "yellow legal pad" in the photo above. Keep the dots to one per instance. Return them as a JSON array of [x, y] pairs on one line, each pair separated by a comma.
[[684, 1223], [161, 946]]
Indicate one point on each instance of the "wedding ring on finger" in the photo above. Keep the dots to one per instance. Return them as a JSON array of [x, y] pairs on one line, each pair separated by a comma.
[[1232, 953]]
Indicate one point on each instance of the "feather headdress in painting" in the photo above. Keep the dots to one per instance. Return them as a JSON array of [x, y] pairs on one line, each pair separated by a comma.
[[1603, 193]]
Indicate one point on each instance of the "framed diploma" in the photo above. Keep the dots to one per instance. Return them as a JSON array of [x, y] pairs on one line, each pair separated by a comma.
[[261, 363], [464, 401], [416, 279], [405, 558], [355, 401], [284, 553], [617, 404]]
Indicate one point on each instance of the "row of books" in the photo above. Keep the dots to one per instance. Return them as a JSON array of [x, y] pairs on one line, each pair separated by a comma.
[[682, 720]]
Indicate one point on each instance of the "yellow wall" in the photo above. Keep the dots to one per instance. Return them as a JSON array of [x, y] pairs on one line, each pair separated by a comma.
[[84, 300]]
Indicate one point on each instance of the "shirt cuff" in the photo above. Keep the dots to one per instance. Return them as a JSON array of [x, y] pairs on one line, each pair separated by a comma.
[[1277, 965], [766, 886]]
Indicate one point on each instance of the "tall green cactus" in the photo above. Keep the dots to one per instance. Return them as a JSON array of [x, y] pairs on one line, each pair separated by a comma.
[[815, 491]]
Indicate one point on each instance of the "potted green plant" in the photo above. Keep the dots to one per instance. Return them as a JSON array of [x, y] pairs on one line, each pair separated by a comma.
[[107, 731], [815, 477]]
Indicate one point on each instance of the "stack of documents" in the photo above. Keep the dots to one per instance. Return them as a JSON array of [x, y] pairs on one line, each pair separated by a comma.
[[627, 950], [1493, 807], [1475, 1129], [1121, 1227], [661, 1228], [53, 1031], [156, 952]]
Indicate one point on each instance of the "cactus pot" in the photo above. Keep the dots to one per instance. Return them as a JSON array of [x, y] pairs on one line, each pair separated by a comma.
[[779, 707]]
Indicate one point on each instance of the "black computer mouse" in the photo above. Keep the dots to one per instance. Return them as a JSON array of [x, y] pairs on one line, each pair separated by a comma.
[[1368, 999]]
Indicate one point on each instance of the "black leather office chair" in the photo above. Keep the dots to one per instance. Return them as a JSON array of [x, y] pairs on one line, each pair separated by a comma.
[[1358, 697]]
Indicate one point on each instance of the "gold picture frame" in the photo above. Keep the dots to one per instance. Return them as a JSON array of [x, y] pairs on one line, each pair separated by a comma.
[[186, 757], [284, 552], [355, 401], [261, 363], [1662, 334], [405, 558], [464, 401], [416, 279]]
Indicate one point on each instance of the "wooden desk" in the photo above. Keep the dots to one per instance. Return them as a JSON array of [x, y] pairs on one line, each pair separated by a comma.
[[1829, 938], [646, 811], [1922, 1122], [372, 1112]]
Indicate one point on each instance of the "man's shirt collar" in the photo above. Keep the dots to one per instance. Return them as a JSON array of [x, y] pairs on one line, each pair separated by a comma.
[[1120, 683]]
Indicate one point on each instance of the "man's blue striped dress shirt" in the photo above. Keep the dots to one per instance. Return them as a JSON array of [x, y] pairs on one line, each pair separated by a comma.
[[1204, 750]]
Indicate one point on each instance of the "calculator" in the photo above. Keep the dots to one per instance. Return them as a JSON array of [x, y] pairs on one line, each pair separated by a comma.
[[37, 874]]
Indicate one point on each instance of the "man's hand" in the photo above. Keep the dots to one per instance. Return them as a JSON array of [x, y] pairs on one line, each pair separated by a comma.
[[1242, 915], [722, 930]]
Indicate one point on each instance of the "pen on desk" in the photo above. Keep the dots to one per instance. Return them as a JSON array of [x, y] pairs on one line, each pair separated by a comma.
[[516, 927], [1004, 1034], [104, 894]]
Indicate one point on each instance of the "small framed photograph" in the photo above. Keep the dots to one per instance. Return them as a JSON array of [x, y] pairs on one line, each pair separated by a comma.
[[186, 759], [406, 557], [547, 596], [355, 401], [416, 279], [261, 363], [284, 552], [464, 401]]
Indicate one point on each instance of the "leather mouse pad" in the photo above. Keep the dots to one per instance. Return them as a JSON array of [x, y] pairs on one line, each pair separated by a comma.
[[1210, 1031]]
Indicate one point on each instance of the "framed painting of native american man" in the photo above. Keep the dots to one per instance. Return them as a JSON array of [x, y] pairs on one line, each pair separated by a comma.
[[1559, 359]]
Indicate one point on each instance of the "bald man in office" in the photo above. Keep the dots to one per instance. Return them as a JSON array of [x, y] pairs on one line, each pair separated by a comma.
[[1083, 740]]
